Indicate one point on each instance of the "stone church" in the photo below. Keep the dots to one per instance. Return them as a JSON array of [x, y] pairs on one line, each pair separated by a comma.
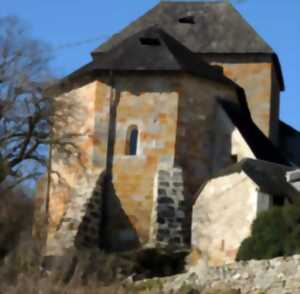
[[180, 140]]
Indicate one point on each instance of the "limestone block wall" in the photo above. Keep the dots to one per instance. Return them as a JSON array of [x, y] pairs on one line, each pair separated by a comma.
[[80, 227], [74, 174], [174, 114], [275, 108], [258, 78], [168, 226], [223, 215], [150, 103], [195, 134], [229, 143]]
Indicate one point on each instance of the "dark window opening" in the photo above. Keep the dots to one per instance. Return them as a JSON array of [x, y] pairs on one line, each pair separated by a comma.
[[234, 158], [278, 200], [187, 19], [150, 41], [132, 141]]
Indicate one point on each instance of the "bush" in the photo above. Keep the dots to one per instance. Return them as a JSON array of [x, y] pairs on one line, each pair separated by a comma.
[[274, 233], [92, 272], [16, 212]]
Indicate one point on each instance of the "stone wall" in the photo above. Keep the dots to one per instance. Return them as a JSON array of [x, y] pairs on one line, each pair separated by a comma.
[[148, 102], [276, 276], [229, 145], [80, 226], [229, 203], [258, 78], [196, 128], [223, 215], [168, 227], [75, 173], [174, 114]]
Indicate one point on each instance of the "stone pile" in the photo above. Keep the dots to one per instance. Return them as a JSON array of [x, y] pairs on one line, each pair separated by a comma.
[[276, 276]]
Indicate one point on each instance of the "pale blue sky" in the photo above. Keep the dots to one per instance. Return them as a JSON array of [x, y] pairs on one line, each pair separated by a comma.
[[67, 21]]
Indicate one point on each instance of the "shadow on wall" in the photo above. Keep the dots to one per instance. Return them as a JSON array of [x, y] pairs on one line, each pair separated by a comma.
[[89, 233], [118, 226], [203, 144], [118, 232]]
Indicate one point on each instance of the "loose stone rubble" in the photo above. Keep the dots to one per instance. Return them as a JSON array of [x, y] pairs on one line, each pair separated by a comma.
[[276, 276]]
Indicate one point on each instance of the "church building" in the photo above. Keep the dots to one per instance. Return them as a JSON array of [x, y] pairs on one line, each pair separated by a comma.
[[172, 110]]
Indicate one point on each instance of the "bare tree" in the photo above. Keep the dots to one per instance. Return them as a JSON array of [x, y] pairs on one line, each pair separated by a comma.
[[26, 115]]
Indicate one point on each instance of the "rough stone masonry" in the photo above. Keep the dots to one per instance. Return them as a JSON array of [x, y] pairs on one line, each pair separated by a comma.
[[168, 217], [81, 224], [276, 276]]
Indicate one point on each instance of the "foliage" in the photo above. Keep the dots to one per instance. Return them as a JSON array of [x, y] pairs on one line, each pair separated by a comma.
[[16, 213], [274, 233], [92, 272]]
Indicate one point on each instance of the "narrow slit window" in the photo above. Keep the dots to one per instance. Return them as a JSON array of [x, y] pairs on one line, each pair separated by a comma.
[[187, 19], [150, 41], [132, 141]]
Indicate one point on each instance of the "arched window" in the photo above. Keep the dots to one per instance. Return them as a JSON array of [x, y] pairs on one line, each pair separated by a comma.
[[132, 140]]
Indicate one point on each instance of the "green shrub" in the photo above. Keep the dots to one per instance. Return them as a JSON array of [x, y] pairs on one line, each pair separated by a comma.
[[274, 233]]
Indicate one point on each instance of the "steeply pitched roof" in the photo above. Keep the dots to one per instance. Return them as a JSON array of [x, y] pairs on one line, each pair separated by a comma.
[[260, 145], [289, 142], [154, 50], [268, 176], [203, 27], [286, 130], [148, 50]]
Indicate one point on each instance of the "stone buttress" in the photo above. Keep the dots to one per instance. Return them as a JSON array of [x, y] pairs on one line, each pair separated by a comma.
[[168, 227]]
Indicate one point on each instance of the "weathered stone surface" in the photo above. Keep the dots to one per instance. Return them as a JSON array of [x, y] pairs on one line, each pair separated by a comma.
[[222, 217], [177, 119], [280, 275], [262, 90], [168, 215], [228, 204], [80, 227]]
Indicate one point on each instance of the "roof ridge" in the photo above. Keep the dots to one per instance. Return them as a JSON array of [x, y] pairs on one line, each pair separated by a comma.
[[248, 24], [195, 2], [217, 35]]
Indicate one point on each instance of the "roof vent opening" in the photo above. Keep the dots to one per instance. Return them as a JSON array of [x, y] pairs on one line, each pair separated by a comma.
[[150, 41], [187, 19]]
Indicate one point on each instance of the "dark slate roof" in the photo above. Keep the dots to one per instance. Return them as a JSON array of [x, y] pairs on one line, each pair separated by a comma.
[[148, 50], [289, 139], [203, 27], [286, 130], [260, 145], [154, 50], [217, 27], [269, 177]]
